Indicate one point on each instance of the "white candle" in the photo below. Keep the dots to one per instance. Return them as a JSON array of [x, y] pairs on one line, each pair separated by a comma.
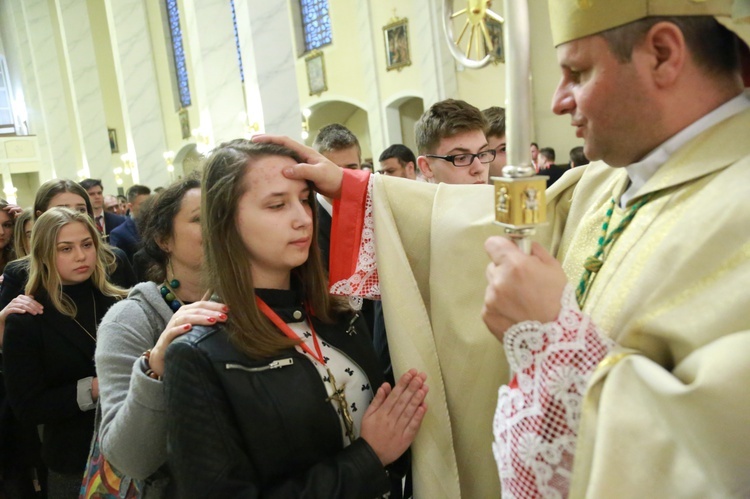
[[517, 41]]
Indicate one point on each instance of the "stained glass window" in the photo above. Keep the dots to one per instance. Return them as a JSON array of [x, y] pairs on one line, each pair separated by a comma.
[[173, 15], [237, 41], [316, 23]]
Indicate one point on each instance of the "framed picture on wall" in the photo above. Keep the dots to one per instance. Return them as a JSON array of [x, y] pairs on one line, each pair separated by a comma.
[[396, 35], [184, 123], [497, 51], [316, 72], [113, 146]]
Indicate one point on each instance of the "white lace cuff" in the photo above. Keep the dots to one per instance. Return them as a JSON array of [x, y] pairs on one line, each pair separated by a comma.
[[537, 416], [364, 283]]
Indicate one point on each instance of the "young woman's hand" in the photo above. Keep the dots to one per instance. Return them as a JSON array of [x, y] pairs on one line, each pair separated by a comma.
[[395, 415], [13, 210], [21, 304], [200, 313]]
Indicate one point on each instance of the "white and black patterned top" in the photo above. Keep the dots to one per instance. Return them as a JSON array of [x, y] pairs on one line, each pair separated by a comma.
[[348, 375]]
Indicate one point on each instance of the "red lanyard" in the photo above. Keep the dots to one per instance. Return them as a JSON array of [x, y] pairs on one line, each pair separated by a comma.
[[284, 327]]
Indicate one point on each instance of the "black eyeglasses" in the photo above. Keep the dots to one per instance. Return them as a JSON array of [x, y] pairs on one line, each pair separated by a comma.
[[467, 158]]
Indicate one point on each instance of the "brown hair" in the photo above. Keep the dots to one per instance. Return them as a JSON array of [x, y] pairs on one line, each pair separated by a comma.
[[20, 244], [713, 47], [7, 254], [52, 188], [157, 223], [445, 119], [335, 137], [226, 260], [495, 117], [43, 272]]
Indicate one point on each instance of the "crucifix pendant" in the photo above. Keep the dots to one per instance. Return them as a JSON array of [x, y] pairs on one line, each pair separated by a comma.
[[340, 398]]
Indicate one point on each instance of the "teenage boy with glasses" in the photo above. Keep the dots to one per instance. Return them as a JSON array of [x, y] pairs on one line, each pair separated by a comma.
[[451, 144]]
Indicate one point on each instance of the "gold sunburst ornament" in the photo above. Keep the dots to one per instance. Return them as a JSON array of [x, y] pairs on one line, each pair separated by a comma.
[[479, 40]]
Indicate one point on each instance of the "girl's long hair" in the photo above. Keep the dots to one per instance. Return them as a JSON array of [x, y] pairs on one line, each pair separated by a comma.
[[157, 223], [227, 261], [20, 244], [8, 253], [43, 274], [52, 188]]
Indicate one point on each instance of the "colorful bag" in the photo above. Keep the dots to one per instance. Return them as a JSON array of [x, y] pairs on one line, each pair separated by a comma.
[[101, 480]]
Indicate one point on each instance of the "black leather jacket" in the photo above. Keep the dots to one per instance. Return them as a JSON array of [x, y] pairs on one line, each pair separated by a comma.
[[243, 428]]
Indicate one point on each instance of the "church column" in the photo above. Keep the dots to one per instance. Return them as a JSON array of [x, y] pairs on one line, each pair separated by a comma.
[[88, 107], [269, 62], [213, 56], [24, 64], [139, 90], [51, 119]]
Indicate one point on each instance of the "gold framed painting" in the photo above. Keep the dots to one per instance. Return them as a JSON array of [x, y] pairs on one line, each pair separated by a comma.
[[396, 36], [114, 147], [184, 123], [316, 72], [497, 50]]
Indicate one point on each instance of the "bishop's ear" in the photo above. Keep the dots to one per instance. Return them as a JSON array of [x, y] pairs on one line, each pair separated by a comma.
[[666, 50]]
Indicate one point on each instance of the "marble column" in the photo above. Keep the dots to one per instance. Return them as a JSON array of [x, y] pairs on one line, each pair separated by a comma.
[[24, 62], [52, 118], [88, 106], [268, 58], [139, 90], [215, 66], [438, 66]]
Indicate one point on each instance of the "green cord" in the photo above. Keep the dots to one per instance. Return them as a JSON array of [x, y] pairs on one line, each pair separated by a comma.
[[594, 263]]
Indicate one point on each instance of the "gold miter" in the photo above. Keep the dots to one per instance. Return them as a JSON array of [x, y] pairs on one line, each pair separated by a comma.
[[573, 19]]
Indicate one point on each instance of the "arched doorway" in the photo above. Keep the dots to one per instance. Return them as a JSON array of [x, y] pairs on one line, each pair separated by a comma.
[[401, 114], [187, 159], [350, 115]]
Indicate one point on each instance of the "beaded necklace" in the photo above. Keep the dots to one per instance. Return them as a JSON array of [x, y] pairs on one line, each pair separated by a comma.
[[594, 263], [169, 295]]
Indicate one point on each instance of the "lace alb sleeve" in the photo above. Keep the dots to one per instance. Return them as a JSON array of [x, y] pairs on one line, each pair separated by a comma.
[[364, 282], [537, 416]]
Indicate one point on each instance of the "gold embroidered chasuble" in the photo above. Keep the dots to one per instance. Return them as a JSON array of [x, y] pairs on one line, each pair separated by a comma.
[[668, 412]]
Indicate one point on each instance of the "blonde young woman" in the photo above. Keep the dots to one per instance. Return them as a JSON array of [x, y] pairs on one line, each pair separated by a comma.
[[49, 358], [286, 398], [57, 193]]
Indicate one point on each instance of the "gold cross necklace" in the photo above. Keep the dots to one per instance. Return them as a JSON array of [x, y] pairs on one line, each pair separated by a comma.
[[96, 326]]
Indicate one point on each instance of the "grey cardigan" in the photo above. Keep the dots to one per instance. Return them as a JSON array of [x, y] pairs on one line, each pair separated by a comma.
[[133, 432]]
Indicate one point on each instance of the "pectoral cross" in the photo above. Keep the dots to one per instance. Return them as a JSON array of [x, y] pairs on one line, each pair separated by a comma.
[[340, 397]]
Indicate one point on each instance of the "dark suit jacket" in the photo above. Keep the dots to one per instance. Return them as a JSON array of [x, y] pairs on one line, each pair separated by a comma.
[[125, 236], [324, 234], [554, 173], [324, 243], [111, 221], [44, 357]]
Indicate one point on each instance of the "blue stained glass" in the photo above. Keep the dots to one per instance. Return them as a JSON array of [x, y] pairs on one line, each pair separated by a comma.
[[237, 41], [316, 23], [173, 15]]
